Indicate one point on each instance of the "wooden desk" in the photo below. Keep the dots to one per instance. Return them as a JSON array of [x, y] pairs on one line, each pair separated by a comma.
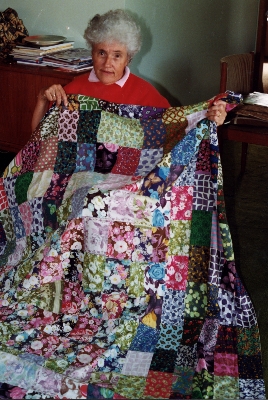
[[19, 87]]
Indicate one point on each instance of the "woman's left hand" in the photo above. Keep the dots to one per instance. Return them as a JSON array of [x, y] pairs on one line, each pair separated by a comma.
[[217, 112]]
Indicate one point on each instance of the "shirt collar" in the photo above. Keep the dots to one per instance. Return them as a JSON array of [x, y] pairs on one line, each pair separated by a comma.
[[93, 77]]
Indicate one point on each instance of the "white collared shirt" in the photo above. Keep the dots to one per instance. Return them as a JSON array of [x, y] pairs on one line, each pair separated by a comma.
[[93, 77]]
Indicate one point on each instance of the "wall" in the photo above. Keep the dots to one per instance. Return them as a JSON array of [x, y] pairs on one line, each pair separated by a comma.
[[183, 39]]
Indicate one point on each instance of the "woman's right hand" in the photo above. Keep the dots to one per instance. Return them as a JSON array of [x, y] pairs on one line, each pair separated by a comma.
[[54, 93]]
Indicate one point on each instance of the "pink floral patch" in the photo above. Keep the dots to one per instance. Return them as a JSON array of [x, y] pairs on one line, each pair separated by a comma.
[[120, 241], [72, 298], [26, 216], [181, 202], [86, 327], [88, 356], [177, 272]]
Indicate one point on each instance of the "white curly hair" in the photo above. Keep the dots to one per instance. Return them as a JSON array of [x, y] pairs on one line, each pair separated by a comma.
[[114, 25]]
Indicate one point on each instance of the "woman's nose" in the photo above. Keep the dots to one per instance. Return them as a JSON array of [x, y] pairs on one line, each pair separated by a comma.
[[108, 61]]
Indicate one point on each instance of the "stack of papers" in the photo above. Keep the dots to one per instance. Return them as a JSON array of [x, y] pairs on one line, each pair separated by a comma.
[[29, 54], [73, 60]]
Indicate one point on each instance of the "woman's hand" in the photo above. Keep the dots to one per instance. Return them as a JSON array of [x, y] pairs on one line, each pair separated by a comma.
[[217, 112], [54, 93]]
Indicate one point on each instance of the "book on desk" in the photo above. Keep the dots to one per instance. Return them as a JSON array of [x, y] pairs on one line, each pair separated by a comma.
[[253, 111]]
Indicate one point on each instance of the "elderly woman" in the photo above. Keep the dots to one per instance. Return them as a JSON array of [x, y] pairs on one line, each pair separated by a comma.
[[115, 39]]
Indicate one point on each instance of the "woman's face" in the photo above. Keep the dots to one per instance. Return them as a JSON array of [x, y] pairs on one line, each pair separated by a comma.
[[109, 60]]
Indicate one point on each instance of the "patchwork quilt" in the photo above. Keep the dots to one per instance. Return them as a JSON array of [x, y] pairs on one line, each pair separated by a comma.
[[118, 277]]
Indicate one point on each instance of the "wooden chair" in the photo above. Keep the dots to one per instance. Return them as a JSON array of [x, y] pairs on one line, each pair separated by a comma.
[[237, 75]]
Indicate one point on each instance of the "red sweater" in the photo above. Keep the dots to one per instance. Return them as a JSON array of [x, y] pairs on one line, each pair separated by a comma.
[[135, 91]]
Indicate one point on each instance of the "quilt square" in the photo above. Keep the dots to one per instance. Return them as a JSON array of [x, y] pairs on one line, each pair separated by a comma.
[[125, 333], [226, 364], [145, 339], [127, 161], [93, 272], [186, 357], [106, 155], [130, 111], [29, 155], [227, 340], [173, 307], [130, 387], [247, 343], [181, 202], [196, 300], [216, 240], [199, 257], [179, 242], [78, 201], [49, 127], [154, 133], [47, 156], [158, 385], [163, 360], [68, 120], [203, 157], [215, 266], [39, 184], [116, 275], [246, 316], [125, 132], [21, 186], [17, 222], [182, 382], [113, 305], [136, 279], [250, 367], [143, 244], [26, 216], [87, 127], [57, 187], [201, 228], [3, 196], [227, 242], [120, 240], [191, 331], [251, 388], [86, 157], [177, 272], [155, 278], [170, 337], [66, 158], [204, 197], [137, 363], [213, 309], [36, 210], [85, 103], [228, 315], [148, 158], [96, 235], [96, 204], [226, 387], [121, 206], [9, 187]]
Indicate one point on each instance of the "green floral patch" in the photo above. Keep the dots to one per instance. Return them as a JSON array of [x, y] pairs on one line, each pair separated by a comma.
[[88, 103], [21, 186], [131, 387], [227, 242], [179, 238], [248, 343], [93, 272], [125, 333], [135, 282], [203, 386], [196, 300], [126, 132]]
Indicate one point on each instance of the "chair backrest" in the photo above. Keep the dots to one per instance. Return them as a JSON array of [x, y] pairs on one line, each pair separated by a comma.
[[237, 73]]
